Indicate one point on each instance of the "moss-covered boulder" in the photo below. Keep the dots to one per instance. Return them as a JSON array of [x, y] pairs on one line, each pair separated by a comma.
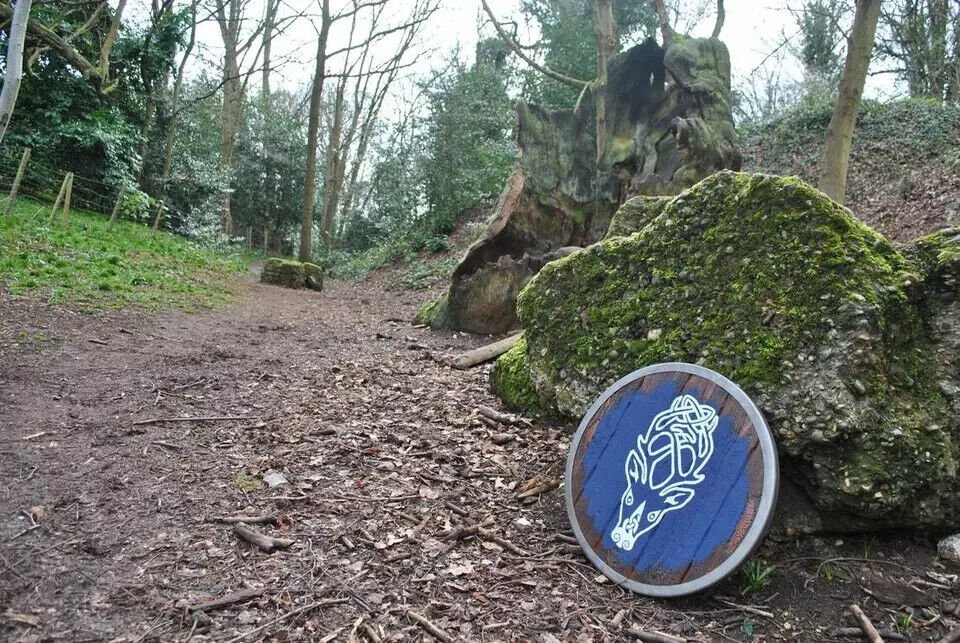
[[292, 274], [634, 215], [850, 346]]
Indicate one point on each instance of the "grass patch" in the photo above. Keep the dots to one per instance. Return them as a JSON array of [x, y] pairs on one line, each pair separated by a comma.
[[88, 266]]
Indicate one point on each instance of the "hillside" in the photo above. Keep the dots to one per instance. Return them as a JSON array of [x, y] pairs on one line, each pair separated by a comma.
[[904, 169], [91, 267]]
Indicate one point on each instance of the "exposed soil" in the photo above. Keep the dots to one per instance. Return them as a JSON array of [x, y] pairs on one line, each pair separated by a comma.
[[386, 458]]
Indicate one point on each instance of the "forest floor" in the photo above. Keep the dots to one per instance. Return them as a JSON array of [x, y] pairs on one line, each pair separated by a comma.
[[110, 504]]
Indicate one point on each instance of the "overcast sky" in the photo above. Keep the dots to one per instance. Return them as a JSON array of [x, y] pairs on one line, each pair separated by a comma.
[[754, 32]]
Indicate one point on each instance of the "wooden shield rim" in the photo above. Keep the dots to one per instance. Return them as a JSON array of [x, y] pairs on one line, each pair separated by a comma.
[[768, 496]]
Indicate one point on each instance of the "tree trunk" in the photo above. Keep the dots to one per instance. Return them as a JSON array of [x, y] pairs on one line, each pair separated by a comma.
[[313, 129], [605, 31], [332, 175], [836, 154], [269, 181], [104, 64], [14, 70], [939, 58]]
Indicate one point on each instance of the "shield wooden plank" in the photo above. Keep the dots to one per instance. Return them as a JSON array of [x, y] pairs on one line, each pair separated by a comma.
[[671, 479]]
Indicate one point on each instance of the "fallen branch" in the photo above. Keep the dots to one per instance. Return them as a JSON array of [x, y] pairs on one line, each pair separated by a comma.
[[868, 629], [506, 544], [485, 353], [539, 489], [93, 340], [430, 628], [655, 637], [208, 418], [228, 599], [497, 416], [296, 612], [250, 520], [269, 544]]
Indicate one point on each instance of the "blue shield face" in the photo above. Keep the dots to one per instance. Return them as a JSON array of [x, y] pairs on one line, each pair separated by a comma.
[[662, 472]]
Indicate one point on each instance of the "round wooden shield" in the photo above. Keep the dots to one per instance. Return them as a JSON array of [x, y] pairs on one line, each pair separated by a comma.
[[671, 479]]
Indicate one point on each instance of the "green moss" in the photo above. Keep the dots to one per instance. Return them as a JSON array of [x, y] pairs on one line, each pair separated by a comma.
[[635, 214], [738, 273], [248, 483], [313, 276], [291, 273], [283, 272], [433, 313], [510, 379]]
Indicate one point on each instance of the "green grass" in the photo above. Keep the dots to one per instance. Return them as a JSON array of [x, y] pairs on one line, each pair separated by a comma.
[[92, 268]]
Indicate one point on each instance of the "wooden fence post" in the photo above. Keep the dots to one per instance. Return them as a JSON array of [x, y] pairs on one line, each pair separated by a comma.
[[249, 238], [16, 181], [156, 221], [66, 204], [56, 204], [116, 210]]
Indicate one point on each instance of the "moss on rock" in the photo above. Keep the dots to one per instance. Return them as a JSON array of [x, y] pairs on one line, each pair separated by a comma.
[[817, 316], [434, 313], [312, 276], [510, 379], [635, 214], [291, 273]]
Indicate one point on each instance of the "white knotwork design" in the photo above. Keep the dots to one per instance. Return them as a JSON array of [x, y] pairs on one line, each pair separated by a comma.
[[665, 467]]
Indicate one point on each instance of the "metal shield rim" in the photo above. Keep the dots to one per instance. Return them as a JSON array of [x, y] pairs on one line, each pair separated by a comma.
[[768, 497]]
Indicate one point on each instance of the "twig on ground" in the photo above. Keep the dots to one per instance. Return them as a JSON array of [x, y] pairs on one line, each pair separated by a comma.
[[296, 612], [227, 599], [94, 340], [269, 544], [506, 544], [208, 418], [748, 608], [539, 489], [655, 637], [868, 629], [250, 520], [430, 628]]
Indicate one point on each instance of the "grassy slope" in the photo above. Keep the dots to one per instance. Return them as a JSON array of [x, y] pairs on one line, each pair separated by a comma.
[[92, 268]]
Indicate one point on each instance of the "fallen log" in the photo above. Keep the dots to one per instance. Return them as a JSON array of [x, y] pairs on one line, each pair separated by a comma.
[[485, 353]]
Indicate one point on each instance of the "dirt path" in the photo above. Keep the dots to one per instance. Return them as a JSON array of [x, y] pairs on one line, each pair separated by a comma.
[[385, 457]]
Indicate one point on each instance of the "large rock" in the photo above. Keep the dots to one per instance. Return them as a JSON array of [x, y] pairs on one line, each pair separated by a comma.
[[669, 125], [850, 346], [291, 273]]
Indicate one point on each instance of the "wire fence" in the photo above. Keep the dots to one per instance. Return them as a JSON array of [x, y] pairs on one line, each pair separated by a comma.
[[42, 182]]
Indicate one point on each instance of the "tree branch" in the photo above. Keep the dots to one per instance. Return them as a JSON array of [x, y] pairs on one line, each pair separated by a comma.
[[518, 50]]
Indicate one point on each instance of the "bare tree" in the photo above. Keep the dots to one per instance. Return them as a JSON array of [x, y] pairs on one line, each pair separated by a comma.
[[239, 63], [14, 70], [836, 153], [313, 132], [359, 64], [915, 35]]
